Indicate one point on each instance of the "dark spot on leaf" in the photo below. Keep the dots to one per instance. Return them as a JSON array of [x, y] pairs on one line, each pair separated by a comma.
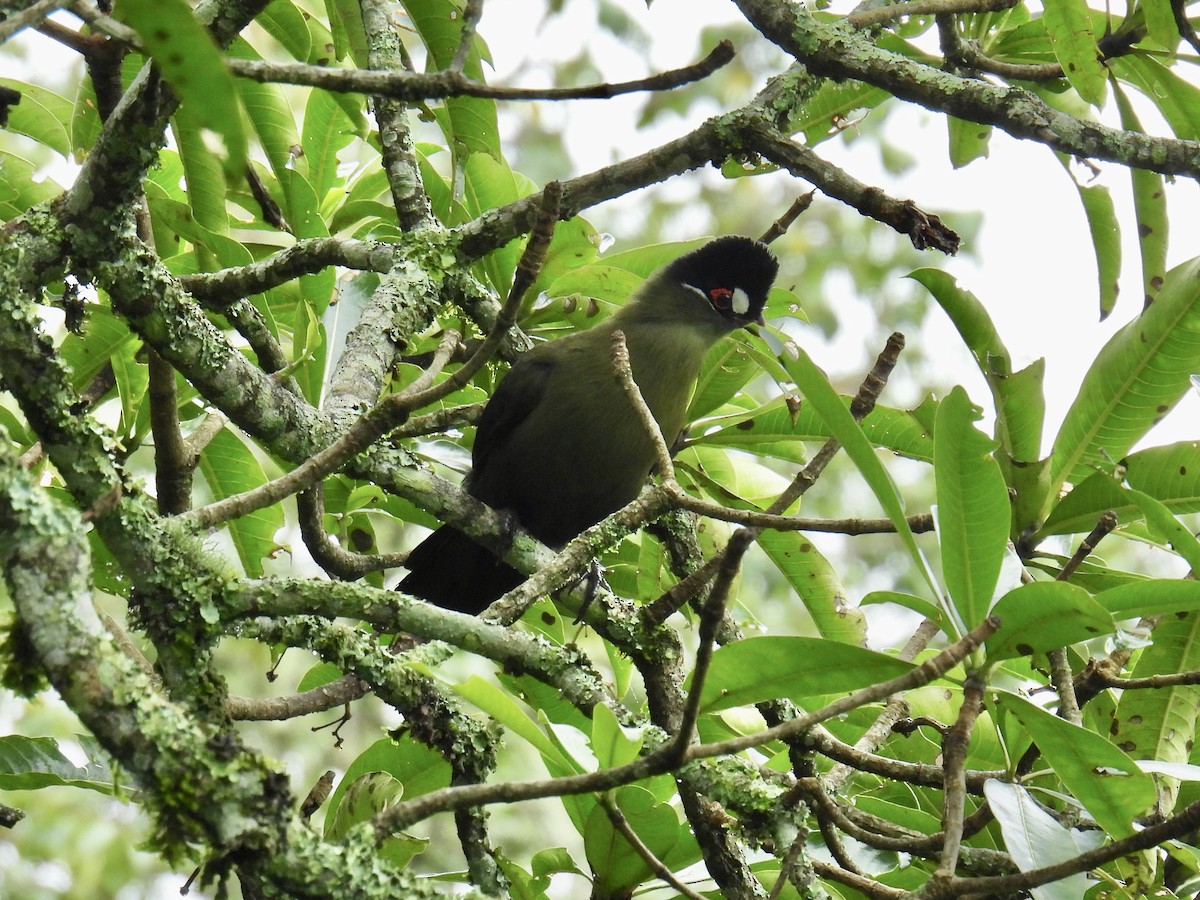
[[1156, 282], [1114, 727], [549, 618], [1024, 649], [747, 425], [806, 547], [161, 35], [1144, 230], [1183, 470], [1135, 720], [1127, 746]]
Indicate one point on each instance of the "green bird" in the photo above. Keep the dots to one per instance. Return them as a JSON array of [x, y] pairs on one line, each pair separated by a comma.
[[560, 447]]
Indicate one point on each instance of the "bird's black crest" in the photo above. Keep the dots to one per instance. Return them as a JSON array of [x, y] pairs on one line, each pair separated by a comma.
[[729, 262]]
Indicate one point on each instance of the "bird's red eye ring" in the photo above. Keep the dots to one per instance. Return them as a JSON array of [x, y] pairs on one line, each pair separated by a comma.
[[720, 298]]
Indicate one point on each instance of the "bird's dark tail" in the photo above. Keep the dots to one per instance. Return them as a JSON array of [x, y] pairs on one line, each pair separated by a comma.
[[451, 570]]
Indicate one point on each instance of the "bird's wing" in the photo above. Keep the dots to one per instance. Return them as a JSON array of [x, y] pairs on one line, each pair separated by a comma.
[[518, 394]]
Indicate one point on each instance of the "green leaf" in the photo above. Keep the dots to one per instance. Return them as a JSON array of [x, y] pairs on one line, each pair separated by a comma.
[[202, 172], [133, 379], [1020, 418], [417, 767], [1035, 839], [1139, 375], [1149, 202], [1152, 597], [727, 368], [270, 114], [489, 183], [968, 141], [1170, 473], [327, 130], [18, 188], [104, 336], [1045, 615], [1069, 25], [610, 742], [972, 508], [1105, 229], [29, 764], [1160, 25], [41, 115], [816, 583], [1160, 724], [1097, 773], [1168, 528], [616, 865], [367, 795], [969, 316], [287, 24], [768, 668], [230, 467], [824, 115], [346, 26], [319, 675], [817, 390], [192, 64], [778, 422], [505, 710], [471, 121], [917, 604], [1177, 99]]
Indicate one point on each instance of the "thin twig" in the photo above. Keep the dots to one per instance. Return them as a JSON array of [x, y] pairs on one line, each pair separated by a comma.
[[413, 87], [319, 699], [621, 824], [624, 374], [217, 290], [471, 14], [954, 755], [28, 17], [1060, 666], [667, 758], [868, 886], [780, 226], [895, 708], [1150, 836], [337, 561], [1184, 24]]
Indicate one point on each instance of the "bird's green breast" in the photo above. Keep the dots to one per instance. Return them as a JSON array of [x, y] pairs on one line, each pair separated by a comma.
[[582, 452]]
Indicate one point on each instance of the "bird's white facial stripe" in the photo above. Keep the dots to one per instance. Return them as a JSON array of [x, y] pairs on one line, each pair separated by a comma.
[[741, 302], [692, 287]]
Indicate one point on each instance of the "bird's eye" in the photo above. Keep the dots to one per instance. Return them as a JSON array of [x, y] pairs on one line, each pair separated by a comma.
[[721, 298]]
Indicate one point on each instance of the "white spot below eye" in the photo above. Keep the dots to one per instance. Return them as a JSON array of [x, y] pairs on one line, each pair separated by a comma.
[[741, 301]]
